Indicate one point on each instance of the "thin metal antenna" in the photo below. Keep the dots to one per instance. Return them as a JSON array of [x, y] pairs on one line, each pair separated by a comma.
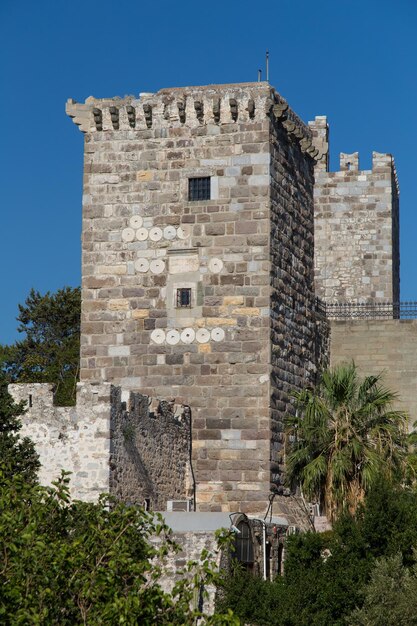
[[259, 76], [267, 66]]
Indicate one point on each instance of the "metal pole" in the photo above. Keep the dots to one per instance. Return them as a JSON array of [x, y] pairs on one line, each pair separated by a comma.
[[267, 66]]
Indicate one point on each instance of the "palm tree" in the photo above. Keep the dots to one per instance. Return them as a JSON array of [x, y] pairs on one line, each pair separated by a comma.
[[343, 437]]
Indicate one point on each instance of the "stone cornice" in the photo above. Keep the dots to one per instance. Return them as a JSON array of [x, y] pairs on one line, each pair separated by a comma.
[[192, 107]]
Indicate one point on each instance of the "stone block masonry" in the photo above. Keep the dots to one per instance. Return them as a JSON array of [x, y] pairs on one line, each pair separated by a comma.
[[293, 319], [381, 346], [241, 258], [356, 228]]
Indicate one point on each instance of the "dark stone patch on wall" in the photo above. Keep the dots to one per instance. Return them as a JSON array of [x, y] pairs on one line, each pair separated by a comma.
[[150, 450], [293, 341]]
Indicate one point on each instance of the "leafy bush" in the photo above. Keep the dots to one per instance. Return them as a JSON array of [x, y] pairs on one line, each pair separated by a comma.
[[17, 454], [327, 575], [67, 562]]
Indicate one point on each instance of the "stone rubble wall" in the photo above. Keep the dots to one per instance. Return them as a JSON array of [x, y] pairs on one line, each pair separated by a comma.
[[150, 451], [191, 543], [322, 343], [356, 227], [381, 346], [76, 439], [135, 449]]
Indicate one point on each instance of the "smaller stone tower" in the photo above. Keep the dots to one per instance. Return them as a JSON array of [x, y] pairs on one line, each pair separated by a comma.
[[356, 228]]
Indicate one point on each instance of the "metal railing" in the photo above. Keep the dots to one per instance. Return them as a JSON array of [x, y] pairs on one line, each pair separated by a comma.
[[367, 310]]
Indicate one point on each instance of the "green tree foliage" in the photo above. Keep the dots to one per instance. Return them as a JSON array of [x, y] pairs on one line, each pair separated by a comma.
[[70, 562], [67, 562], [344, 437], [390, 598], [49, 351], [327, 575], [412, 456], [17, 455]]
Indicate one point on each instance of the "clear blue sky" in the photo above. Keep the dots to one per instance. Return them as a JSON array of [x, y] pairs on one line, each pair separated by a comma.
[[354, 61]]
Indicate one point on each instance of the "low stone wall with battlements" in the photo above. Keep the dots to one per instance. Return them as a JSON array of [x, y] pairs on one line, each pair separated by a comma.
[[76, 439], [134, 447], [150, 451]]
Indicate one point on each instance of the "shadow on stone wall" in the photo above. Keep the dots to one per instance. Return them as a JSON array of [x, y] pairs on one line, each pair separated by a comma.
[[150, 450]]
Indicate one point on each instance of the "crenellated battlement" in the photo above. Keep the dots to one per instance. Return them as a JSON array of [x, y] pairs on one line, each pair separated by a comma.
[[75, 438], [188, 106], [114, 440], [356, 231], [349, 163], [192, 107]]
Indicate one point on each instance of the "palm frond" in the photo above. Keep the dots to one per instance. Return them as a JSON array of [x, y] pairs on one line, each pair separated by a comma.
[[344, 435]]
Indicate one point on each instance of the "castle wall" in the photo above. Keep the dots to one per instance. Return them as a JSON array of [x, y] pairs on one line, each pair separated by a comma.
[[76, 439], [129, 445], [293, 358], [356, 229], [150, 451], [381, 346], [213, 356], [143, 239], [191, 543]]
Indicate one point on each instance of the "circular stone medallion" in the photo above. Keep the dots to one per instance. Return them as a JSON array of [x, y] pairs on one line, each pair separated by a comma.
[[136, 221], [142, 234], [173, 337], [155, 234], [157, 266], [183, 232], [215, 265], [188, 335], [170, 232], [217, 334], [158, 335], [128, 234], [202, 335], [142, 265]]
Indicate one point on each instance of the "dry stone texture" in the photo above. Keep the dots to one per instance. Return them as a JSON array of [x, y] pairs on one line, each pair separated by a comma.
[[150, 451], [356, 228], [76, 439], [137, 449]]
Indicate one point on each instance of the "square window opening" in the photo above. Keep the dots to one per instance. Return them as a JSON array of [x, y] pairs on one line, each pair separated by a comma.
[[199, 189], [184, 298]]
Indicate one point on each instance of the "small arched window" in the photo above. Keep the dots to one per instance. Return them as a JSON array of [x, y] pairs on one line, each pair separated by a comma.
[[244, 544]]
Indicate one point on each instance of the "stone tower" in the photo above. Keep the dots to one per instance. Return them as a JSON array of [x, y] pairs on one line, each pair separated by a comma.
[[356, 227], [197, 269]]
